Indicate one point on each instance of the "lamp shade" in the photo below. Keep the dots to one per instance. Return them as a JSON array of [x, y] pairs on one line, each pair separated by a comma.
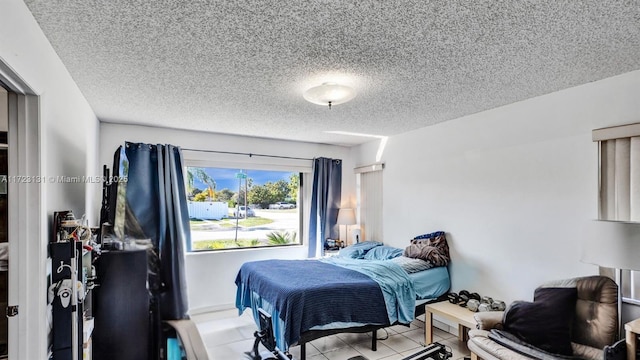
[[613, 244], [329, 94], [346, 216]]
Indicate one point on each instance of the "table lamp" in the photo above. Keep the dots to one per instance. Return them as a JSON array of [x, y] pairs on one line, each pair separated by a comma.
[[346, 217]]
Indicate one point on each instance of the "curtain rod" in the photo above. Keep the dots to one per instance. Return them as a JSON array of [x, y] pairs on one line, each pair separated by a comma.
[[248, 154]]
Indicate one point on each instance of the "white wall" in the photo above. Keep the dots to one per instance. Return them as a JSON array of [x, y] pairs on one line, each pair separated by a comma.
[[515, 188], [211, 275], [68, 126], [68, 142]]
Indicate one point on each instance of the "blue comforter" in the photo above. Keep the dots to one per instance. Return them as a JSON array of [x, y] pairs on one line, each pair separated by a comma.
[[308, 293], [397, 287]]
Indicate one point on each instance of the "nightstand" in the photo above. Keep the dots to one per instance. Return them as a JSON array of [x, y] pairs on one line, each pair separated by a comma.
[[330, 253], [632, 330]]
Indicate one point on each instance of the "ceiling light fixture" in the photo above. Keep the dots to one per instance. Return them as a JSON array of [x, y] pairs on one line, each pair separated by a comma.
[[329, 94]]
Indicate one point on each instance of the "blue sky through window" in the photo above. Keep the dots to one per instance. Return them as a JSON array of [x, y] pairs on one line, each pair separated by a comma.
[[226, 178]]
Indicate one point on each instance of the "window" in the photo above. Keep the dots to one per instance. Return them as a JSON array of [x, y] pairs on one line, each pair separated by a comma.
[[619, 170], [369, 190], [619, 197], [630, 287], [243, 208]]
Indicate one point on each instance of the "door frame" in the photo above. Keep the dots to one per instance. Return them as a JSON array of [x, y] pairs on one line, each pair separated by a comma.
[[28, 331]]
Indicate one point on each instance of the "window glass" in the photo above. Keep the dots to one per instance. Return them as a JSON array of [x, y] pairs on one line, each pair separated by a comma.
[[630, 284], [242, 208]]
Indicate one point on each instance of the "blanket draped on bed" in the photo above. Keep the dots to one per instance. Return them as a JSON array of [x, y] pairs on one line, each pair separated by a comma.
[[397, 287], [310, 293]]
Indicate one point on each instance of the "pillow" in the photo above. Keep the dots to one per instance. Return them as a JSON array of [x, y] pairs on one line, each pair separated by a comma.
[[546, 322], [429, 236], [411, 265], [383, 253], [434, 249], [357, 251]]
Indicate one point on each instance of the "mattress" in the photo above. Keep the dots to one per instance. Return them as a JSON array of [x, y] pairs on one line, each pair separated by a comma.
[[429, 284]]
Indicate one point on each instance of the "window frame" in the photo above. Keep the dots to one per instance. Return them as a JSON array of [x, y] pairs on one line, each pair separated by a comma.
[[630, 286], [369, 195], [237, 161]]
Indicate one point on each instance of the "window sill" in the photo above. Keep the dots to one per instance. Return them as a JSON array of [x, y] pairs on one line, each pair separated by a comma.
[[618, 221], [630, 301], [250, 249]]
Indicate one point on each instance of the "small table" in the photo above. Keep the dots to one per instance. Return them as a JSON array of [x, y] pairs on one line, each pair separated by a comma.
[[631, 330], [330, 253], [453, 312]]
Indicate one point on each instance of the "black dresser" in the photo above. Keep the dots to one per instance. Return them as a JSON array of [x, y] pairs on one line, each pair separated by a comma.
[[121, 307]]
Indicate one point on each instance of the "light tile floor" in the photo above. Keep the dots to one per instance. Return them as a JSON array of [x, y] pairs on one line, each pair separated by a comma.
[[228, 336]]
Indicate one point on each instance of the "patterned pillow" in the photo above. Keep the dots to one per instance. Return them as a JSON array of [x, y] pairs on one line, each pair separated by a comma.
[[429, 236], [432, 249]]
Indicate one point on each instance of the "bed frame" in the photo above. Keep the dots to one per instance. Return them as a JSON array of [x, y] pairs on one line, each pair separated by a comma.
[[311, 335]]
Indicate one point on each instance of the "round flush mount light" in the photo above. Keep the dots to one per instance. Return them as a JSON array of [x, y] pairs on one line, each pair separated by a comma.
[[329, 94]]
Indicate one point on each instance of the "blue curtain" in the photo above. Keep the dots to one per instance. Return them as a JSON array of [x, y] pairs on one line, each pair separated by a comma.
[[157, 203], [325, 202]]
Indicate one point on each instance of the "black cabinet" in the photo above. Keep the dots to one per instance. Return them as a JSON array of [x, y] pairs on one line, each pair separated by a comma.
[[121, 307]]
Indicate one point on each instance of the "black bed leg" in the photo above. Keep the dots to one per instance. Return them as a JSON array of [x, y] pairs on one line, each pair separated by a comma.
[[374, 340], [303, 351]]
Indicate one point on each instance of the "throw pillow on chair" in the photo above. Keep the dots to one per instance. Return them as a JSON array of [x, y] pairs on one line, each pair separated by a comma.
[[546, 322]]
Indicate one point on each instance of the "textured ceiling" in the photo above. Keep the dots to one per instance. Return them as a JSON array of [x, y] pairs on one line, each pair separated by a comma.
[[240, 67]]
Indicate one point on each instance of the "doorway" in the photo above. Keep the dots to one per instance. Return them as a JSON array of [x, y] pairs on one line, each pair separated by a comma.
[[27, 280], [4, 220]]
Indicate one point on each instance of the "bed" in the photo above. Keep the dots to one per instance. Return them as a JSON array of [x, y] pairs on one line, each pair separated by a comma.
[[353, 292]]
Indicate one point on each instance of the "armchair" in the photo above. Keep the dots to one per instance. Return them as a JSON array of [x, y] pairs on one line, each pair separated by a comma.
[[579, 316]]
